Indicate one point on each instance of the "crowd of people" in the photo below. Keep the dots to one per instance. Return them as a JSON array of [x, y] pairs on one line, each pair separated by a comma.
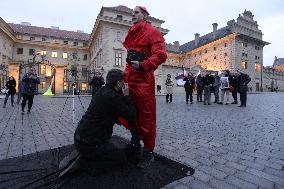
[[221, 84]]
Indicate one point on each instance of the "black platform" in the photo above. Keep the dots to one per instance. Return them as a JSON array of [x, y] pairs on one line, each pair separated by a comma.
[[40, 170]]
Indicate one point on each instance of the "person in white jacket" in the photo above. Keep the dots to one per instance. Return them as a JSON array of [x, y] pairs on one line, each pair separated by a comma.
[[169, 89]]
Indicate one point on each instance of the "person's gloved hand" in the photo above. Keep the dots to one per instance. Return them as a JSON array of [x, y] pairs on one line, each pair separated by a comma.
[[136, 65]]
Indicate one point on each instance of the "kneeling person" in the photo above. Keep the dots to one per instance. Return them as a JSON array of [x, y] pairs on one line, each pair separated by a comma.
[[96, 151]]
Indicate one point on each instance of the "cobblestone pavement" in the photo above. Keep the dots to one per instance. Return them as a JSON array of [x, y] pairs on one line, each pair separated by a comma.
[[230, 147]]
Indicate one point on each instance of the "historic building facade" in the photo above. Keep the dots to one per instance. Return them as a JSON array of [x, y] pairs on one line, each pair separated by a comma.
[[54, 52]]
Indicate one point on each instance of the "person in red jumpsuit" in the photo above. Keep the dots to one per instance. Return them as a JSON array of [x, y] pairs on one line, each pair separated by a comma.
[[147, 40]]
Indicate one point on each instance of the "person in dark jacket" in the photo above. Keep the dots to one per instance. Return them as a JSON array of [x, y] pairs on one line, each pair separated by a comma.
[[199, 87], [96, 152], [11, 86], [97, 82], [216, 87], [208, 81], [233, 87], [243, 80], [29, 88], [189, 86]]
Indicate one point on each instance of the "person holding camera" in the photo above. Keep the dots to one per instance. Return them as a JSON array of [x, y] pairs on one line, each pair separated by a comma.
[[97, 82], [11, 86], [95, 151], [146, 50], [29, 88]]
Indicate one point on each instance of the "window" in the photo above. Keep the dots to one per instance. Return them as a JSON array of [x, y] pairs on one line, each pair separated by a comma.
[[65, 86], [19, 37], [31, 51], [42, 85], [244, 65], [42, 69], [244, 55], [85, 57], [225, 44], [118, 36], [43, 39], [84, 72], [83, 86], [205, 51], [43, 52], [118, 59], [20, 50], [215, 57], [244, 44], [226, 54], [65, 42], [257, 67], [200, 53], [75, 43], [85, 44], [65, 55], [54, 54], [215, 48], [119, 17], [257, 48], [32, 38]]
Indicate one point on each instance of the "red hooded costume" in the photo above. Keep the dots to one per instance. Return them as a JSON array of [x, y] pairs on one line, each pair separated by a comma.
[[143, 37]]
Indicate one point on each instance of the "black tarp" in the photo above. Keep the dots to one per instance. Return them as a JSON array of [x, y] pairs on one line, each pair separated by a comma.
[[40, 170]]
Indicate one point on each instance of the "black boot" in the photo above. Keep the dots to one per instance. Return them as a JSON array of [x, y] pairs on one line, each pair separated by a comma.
[[146, 159]]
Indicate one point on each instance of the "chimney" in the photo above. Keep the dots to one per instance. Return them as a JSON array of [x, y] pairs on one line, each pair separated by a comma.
[[196, 38], [214, 29], [176, 46], [54, 27], [26, 23]]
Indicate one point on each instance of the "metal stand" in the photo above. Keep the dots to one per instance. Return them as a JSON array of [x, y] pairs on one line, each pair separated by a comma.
[[73, 102]]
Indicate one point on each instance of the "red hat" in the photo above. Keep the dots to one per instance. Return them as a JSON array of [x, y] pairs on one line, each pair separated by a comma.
[[144, 9]]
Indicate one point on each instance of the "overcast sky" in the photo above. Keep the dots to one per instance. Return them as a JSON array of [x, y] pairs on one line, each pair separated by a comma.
[[183, 18]]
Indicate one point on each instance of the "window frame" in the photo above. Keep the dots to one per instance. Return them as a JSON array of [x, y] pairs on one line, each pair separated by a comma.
[[54, 54], [118, 59]]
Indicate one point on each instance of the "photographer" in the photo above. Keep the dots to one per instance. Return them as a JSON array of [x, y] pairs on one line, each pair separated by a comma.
[[11, 86], [92, 138], [29, 88], [97, 82]]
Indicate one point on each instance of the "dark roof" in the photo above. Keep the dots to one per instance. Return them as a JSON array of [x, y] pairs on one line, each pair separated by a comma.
[[278, 62], [205, 39], [48, 32], [125, 9]]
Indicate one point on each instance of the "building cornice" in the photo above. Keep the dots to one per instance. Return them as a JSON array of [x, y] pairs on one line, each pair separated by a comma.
[[51, 45], [7, 29]]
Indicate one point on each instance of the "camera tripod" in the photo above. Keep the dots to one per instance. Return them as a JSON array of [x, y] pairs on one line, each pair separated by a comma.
[[73, 101]]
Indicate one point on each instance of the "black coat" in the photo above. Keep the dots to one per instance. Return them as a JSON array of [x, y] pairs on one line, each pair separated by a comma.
[[11, 85], [29, 84], [243, 80], [189, 84], [106, 106], [233, 80]]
